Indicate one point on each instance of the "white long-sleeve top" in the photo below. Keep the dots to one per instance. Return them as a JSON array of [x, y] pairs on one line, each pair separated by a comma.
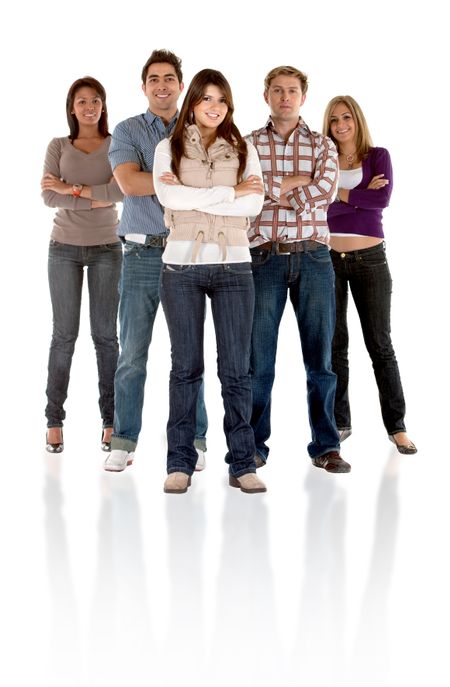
[[217, 200]]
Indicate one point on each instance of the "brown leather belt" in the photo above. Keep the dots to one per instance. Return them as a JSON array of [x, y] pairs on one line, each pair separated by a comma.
[[289, 246]]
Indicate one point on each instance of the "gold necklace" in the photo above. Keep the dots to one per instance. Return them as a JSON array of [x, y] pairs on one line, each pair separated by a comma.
[[350, 159]]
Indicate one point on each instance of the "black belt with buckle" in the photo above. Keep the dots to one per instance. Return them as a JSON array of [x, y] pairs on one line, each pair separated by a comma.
[[290, 246], [155, 241]]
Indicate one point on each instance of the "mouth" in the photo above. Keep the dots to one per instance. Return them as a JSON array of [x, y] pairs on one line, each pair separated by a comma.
[[342, 131], [162, 96], [212, 115]]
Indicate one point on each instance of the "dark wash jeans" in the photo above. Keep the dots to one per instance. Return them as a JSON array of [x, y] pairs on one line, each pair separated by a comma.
[[367, 273], [139, 301], [183, 296], [309, 279], [66, 265]]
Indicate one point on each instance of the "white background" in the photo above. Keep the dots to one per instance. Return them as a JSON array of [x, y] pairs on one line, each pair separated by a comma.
[[324, 580]]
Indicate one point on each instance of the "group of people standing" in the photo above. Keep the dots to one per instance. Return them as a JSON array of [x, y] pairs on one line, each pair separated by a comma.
[[243, 221]]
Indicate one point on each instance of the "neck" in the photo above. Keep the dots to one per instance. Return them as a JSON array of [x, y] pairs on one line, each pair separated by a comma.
[[88, 132], [285, 127], [347, 148], [208, 135], [165, 115]]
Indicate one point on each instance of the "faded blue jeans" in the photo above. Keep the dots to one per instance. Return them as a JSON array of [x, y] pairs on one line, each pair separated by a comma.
[[66, 265], [184, 289], [308, 278], [139, 301]]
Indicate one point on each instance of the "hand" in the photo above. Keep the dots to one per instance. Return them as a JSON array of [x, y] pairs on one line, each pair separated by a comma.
[[100, 204], [170, 179], [253, 184], [378, 182], [50, 182]]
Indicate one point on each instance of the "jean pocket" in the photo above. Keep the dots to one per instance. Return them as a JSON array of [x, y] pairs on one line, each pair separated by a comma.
[[55, 244], [169, 267], [320, 255], [259, 256], [377, 259], [238, 268], [117, 246]]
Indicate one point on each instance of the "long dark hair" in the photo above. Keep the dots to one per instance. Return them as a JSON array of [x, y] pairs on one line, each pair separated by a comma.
[[86, 82], [227, 129]]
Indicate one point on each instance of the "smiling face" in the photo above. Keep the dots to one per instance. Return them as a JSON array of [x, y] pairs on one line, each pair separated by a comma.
[[212, 109], [162, 89], [285, 98], [87, 106], [342, 125]]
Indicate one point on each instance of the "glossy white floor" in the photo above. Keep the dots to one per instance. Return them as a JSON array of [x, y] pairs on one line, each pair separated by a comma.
[[324, 581]]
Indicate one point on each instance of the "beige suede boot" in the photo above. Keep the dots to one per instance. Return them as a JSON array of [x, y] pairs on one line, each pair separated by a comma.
[[177, 483], [249, 483]]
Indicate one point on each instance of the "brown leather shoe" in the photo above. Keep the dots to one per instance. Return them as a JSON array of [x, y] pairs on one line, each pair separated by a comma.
[[249, 483], [331, 462], [177, 483]]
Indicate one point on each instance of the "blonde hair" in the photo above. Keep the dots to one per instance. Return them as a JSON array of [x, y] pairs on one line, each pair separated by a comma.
[[286, 71], [363, 141]]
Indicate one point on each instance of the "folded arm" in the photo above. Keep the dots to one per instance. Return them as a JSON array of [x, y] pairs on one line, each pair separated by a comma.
[[217, 200]]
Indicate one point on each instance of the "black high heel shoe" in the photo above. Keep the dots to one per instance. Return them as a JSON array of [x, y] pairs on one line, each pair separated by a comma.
[[54, 448], [105, 445]]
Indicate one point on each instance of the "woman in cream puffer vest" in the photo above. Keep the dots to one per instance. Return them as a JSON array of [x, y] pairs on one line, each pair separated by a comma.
[[209, 182]]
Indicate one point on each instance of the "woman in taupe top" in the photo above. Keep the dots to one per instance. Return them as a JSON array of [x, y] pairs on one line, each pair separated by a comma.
[[78, 181]]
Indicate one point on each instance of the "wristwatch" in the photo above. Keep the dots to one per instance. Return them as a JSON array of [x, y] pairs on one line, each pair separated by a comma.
[[76, 190]]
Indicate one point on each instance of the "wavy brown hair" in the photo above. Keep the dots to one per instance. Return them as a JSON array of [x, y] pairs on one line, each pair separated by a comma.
[[363, 142], [86, 82], [226, 130]]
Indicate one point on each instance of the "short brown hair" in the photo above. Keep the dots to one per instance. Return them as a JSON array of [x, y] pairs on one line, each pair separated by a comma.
[[287, 71], [163, 56]]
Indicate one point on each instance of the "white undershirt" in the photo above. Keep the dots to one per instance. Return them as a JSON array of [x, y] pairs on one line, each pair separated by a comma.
[[348, 179]]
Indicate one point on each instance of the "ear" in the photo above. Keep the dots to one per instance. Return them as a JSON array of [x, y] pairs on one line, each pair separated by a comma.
[[303, 99], [143, 88], [266, 97], [181, 86]]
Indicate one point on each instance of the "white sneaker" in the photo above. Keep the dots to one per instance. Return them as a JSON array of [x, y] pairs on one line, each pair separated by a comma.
[[118, 460], [201, 461]]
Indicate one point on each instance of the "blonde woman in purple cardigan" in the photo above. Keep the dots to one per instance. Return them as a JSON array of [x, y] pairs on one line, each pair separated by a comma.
[[359, 259]]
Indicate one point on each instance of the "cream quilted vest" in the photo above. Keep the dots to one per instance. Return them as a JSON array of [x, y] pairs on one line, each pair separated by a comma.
[[200, 168]]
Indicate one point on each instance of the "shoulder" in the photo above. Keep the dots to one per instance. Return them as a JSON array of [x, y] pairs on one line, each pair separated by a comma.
[[251, 150], [379, 156], [130, 124], [256, 133], [321, 140], [59, 142], [163, 147]]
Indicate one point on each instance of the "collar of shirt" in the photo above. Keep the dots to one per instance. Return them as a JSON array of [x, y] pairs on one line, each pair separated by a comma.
[[302, 127], [151, 118]]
